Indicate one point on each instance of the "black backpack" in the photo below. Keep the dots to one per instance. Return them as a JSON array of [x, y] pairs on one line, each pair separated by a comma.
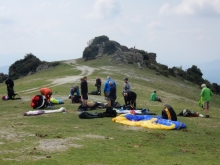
[[109, 112], [169, 113]]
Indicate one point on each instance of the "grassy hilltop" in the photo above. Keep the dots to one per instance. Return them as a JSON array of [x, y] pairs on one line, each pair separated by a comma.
[[63, 138]]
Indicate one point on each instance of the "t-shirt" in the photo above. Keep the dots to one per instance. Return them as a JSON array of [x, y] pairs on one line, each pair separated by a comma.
[[206, 94], [153, 97]]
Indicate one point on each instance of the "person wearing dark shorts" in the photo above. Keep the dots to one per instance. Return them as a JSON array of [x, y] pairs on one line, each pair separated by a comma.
[[84, 90]]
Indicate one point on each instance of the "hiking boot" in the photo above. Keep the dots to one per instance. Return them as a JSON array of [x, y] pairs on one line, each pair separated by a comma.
[[206, 116]]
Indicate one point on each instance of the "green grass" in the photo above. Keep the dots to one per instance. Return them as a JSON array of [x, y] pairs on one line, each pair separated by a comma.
[[63, 138]]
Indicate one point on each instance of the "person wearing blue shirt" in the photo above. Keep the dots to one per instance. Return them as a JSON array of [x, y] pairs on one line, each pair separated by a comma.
[[106, 89], [112, 95], [74, 97]]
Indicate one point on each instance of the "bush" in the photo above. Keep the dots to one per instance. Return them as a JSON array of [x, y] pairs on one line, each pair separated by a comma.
[[100, 40], [24, 66], [90, 52], [54, 63]]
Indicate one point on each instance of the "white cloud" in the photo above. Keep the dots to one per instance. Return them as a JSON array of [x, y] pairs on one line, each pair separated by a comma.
[[164, 9], [104, 9], [193, 7]]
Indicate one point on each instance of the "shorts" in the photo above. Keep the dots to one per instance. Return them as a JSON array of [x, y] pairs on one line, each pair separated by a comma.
[[205, 104], [84, 96], [106, 95]]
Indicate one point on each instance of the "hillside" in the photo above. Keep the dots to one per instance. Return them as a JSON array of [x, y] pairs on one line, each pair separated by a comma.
[[66, 139]]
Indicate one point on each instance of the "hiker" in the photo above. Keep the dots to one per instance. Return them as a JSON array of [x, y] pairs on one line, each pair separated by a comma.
[[107, 86], [98, 85], [154, 97], [74, 97], [112, 95], [126, 88], [10, 88], [84, 91], [206, 94], [130, 98], [47, 92]]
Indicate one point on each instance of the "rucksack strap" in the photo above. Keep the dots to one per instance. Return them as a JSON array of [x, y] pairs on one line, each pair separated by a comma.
[[168, 113]]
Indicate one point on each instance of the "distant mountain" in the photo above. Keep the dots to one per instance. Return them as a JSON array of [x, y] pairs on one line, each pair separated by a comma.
[[4, 69], [211, 71]]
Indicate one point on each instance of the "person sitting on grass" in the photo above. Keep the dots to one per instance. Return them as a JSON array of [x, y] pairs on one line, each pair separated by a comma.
[[75, 98], [154, 97]]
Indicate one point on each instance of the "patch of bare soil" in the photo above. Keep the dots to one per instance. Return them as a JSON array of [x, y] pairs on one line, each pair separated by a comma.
[[134, 128], [11, 135], [54, 145]]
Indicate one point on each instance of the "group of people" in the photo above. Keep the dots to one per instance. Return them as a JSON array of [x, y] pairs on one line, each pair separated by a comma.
[[109, 91]]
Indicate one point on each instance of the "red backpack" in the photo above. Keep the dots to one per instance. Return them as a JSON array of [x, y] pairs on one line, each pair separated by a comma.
[[38, 102]]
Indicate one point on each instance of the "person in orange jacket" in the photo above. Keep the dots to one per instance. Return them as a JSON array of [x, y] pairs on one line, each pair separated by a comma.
[[47, 92]]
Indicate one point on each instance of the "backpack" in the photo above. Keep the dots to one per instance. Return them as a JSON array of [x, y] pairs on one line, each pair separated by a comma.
[[109, 112], [188, 113], [76, 99], [83, 108], [39, 102], [169, 113], [200, 102]]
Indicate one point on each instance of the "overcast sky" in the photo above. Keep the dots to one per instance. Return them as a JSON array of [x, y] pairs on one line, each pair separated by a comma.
[[180, 32]]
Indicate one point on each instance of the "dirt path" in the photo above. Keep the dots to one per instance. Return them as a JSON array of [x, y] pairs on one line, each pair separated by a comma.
[[85, 71]]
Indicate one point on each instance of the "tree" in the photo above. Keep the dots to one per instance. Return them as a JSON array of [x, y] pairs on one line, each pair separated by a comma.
[[24, 66], [194, 75], [90, 52]]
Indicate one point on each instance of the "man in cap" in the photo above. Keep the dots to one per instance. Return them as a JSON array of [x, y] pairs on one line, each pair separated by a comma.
[[206, 94]]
